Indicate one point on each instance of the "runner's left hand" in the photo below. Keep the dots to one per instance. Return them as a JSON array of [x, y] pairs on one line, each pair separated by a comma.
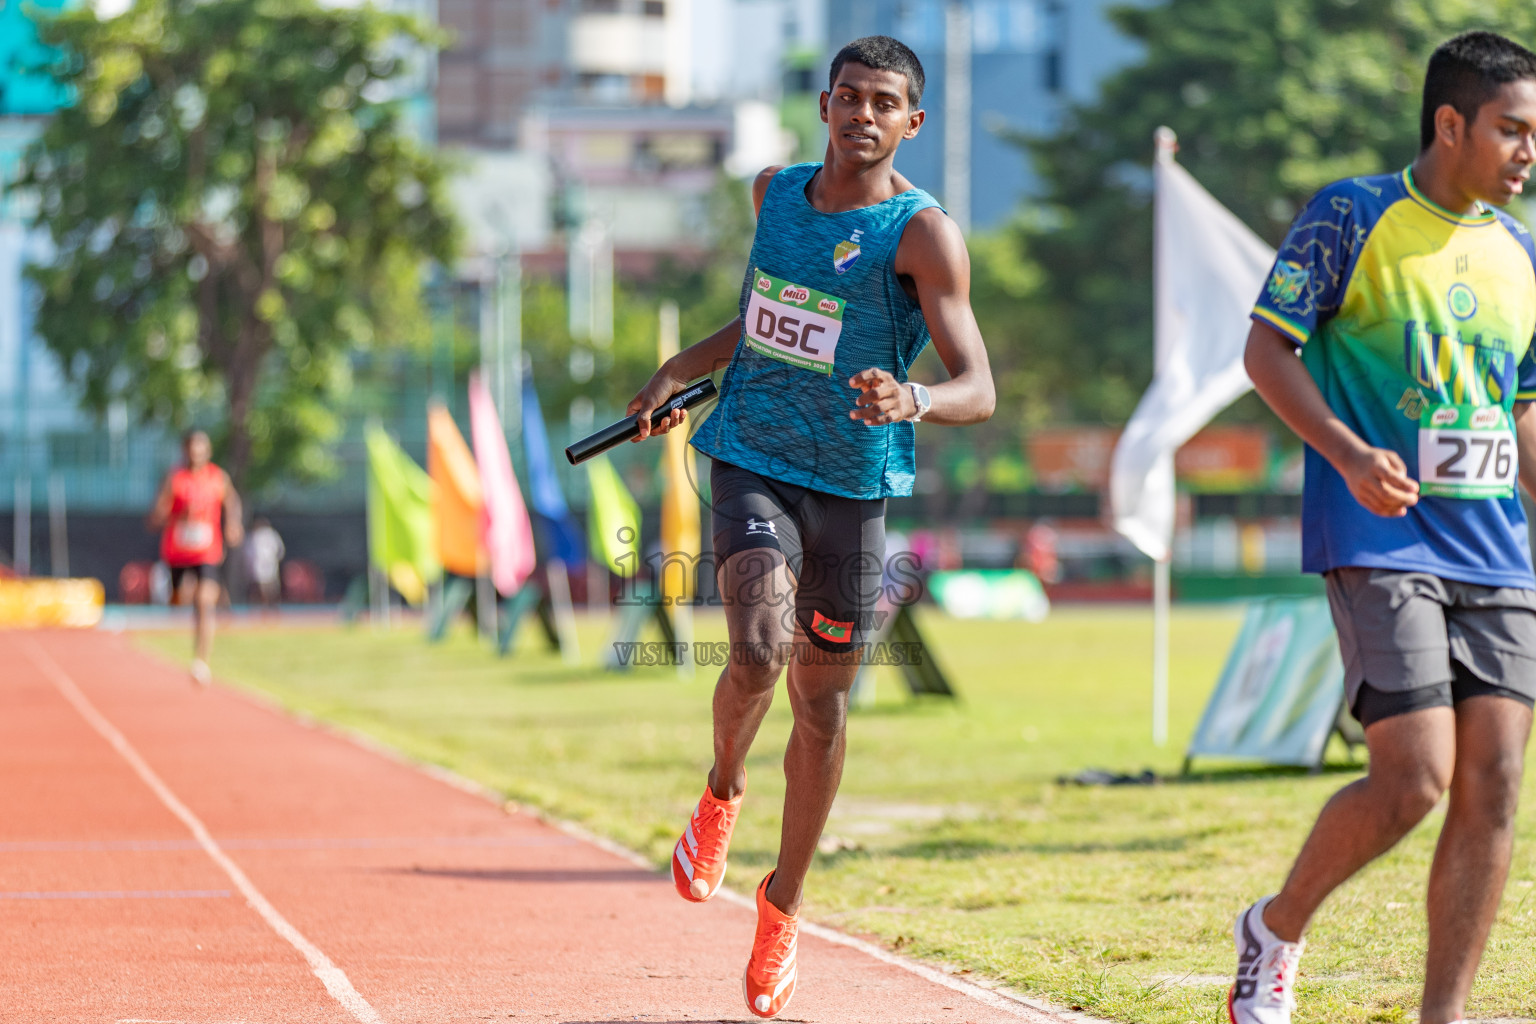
[[882, 399]]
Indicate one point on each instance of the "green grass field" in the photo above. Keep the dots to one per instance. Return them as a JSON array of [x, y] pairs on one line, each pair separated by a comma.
[[952, 838]]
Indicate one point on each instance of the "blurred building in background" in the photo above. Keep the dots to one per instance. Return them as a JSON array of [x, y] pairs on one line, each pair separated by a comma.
[[1028, 60], [633, 107], [46, 441], [509, 57], [504, 55], [591, 134], [631, 101]]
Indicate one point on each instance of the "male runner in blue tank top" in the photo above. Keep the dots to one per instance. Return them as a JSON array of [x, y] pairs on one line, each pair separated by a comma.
[[852, 270]]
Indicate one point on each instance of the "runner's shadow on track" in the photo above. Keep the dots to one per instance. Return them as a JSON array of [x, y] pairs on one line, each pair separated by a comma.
[[533, 875]]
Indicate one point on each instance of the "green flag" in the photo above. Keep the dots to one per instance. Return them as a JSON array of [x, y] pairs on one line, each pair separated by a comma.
[[613, 519], [400, 540]]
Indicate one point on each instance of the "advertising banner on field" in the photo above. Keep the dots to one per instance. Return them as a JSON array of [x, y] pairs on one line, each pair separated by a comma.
[[1280, 693], [43, 603], [990, 594]]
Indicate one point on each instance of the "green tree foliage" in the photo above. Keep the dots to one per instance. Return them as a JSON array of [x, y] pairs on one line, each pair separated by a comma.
[[1271, 100], [707, 291], [565, 368], [236, 206]]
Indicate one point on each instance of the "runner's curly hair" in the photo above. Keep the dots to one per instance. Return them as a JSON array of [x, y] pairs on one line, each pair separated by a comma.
[[1468, 71], [882, 53]]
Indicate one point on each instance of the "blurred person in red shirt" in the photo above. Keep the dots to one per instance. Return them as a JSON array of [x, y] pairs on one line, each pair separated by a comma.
[[196, 512], [1039, 554]]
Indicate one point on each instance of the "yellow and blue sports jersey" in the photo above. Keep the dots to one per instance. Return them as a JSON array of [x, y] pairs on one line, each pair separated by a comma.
[[1417, 325]]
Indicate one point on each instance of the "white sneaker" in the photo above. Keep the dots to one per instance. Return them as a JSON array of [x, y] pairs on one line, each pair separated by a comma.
[[1264, 992], [200, 673]]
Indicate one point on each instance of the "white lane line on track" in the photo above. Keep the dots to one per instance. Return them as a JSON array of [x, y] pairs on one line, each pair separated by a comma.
[[1009, 1002], [331, 976], [1016, 1005], [121, 894], [165, 845]]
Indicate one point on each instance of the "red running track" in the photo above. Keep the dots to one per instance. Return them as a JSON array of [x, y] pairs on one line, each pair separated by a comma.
[[170, 855]]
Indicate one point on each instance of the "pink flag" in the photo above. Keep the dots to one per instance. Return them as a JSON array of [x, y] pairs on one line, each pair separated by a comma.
[[504, 523]]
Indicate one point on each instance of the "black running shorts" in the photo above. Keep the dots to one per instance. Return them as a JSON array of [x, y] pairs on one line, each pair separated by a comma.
[[835, 546], [203, 571]]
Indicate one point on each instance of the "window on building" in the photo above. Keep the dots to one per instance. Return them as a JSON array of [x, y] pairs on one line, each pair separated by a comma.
[[800, 80], [682, 149], [605, 88], [919, 23], [78, 448], [1053, 76], [650, 88], [1055, 46]]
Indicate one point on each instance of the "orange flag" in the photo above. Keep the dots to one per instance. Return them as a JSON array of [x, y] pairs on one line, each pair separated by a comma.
[[457, 498]]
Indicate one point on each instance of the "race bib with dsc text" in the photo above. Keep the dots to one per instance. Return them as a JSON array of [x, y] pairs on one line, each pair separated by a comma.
[[1467, 451], [793, 324]]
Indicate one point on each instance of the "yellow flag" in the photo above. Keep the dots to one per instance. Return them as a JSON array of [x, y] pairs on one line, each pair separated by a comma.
[[613, 520], [680, 500], [457, 498]]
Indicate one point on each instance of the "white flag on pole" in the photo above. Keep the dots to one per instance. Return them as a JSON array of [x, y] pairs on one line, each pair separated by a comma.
[[1207, 269]]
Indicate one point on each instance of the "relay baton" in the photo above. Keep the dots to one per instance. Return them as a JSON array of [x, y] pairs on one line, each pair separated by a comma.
[[611, 436]]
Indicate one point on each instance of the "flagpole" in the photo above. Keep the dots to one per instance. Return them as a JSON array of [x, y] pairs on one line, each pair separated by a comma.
[[1165, 144], [676, 600], [372, 526], [1161, 606], [564, 613], [958, 43]]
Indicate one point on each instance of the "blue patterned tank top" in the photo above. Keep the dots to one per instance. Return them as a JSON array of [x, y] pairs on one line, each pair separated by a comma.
[[820, 302]]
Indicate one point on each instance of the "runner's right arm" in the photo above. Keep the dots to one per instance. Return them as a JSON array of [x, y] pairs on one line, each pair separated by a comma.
[[676, 373], [695, 361], [160, 512], [1377, 477], [234, 515]]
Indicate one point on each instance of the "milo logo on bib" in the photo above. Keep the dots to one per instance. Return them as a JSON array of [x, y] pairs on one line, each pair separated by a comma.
[[793, 324]]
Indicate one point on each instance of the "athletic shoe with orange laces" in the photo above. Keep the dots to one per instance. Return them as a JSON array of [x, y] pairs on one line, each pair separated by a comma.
[[770, 978], [698, 862]]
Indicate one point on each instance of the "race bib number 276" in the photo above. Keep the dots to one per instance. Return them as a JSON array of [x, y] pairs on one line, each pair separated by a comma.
[[793, 324], [1467, 452]]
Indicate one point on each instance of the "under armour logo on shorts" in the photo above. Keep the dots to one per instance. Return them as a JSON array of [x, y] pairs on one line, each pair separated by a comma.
[[755, 526]]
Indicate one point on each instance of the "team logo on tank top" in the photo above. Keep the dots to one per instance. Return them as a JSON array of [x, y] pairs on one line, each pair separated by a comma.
[[846, 254]]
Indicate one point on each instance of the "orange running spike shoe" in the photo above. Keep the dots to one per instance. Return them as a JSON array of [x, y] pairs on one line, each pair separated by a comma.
[[770, 979], [698, 862]]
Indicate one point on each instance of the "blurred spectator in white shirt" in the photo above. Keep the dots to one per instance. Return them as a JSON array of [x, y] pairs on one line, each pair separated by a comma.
[[264, 553]]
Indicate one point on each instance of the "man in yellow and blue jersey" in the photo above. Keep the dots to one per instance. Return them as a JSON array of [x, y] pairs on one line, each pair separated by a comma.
[[1412, 301]]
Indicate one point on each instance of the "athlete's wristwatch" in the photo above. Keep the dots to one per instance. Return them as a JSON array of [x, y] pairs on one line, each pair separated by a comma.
[[921, 397]]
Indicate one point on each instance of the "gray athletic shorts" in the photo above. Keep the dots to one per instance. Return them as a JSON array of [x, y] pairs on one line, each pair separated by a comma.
[[1412, 640]]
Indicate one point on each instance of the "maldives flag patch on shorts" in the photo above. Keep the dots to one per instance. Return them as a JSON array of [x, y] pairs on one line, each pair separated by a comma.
[[830, 629]]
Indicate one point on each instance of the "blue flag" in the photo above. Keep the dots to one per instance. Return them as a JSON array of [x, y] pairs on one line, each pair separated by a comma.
[[557, 528]]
